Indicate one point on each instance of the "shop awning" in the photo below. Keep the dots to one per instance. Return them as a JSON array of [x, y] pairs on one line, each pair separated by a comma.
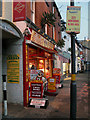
[[41, 47]]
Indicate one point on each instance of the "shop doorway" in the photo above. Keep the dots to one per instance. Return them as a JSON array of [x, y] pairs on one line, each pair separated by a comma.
[[37, 59]]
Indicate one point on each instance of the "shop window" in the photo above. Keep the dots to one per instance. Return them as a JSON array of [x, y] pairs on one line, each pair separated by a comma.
[[46, 28], [53, 10], [48, 71], [32, 54], [47, 55], [54, 33], [41, 65], [33, 64]]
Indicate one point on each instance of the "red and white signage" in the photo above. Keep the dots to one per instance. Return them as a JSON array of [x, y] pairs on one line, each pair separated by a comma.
[[36, 89], [19, 10], [57, 77], [56, 71], [37, 102]]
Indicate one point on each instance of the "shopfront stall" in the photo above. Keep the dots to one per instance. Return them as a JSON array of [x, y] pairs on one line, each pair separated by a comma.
[[38, 55]]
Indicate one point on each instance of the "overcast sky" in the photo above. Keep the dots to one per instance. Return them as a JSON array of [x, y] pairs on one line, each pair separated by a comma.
[[84, 14]]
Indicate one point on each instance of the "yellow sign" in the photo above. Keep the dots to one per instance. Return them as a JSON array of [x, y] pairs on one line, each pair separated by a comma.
[[73, 19], [51, 84], [37, 38], [13, 69]]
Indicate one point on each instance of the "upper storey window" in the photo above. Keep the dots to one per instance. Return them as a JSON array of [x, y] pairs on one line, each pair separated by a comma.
[[33, 11]]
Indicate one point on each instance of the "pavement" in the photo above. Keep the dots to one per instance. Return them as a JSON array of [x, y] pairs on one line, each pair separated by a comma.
[[59, 106]]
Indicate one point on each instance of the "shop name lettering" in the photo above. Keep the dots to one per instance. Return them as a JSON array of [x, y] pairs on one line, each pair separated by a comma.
[[36, 84], [36, 88], [39, 102], [40, 40], [36, 95], [36, 92]]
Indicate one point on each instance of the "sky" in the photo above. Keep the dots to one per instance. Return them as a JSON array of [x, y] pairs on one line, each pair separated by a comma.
[[62, 6]]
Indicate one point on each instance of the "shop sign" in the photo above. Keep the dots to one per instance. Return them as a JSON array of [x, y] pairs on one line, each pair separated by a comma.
[[37, 102], [56, 71], [37, 38], [73, 19], [36, 89], [56, 74], [51, 84], [19, 10], [34, 74], [57, 77], [13, 68]]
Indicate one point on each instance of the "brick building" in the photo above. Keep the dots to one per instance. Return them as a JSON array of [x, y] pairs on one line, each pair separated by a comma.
[[16, 45]]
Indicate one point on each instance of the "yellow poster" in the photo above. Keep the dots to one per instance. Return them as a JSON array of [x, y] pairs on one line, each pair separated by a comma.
[[13, 68], [51, 84], [73, 19]]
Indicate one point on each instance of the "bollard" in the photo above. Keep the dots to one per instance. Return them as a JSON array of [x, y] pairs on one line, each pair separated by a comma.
[[4, 94]]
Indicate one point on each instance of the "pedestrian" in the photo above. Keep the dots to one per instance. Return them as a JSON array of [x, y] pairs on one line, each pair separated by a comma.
[[32, 67]]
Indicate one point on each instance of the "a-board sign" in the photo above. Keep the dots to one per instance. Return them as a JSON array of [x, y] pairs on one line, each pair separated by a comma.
[[56, 74], [56, 71], [38, 102], [57, 78], [51, 84], [36, 89]]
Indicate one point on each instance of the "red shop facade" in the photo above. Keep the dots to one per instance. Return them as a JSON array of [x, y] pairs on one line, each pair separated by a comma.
[[37, 52]]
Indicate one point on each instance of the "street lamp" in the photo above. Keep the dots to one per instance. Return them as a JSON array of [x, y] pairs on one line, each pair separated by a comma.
[[73, 76]]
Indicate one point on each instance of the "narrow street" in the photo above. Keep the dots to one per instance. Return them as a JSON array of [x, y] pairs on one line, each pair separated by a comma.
[[59, 106]]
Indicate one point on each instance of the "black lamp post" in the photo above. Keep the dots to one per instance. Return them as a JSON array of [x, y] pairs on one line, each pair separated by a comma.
[[73, 79]]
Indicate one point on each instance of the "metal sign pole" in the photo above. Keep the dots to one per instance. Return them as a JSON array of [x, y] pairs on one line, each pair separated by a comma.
[[73, 79]]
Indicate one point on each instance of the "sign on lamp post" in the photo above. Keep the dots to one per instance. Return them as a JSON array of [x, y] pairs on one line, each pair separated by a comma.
[[73, 19], [73, 28]]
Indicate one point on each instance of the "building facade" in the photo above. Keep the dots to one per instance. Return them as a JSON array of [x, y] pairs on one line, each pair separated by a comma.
[[25, 43]]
